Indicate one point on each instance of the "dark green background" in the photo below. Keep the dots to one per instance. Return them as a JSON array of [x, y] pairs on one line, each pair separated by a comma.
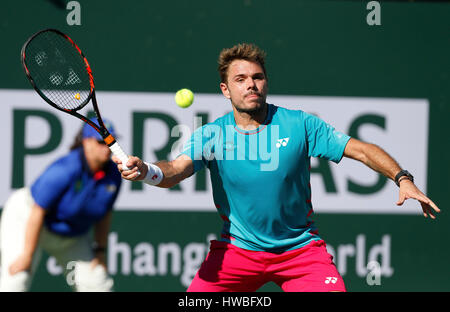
[[314, 48]]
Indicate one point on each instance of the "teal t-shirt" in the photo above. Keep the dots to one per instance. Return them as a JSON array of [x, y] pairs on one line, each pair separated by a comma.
[[261, 178]]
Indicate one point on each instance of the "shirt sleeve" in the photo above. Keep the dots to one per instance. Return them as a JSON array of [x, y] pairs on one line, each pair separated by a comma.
[[51, 185], [323, 140], [200, 146]]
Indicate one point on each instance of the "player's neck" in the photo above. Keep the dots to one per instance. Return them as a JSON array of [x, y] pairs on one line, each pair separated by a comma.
[[250, 120]]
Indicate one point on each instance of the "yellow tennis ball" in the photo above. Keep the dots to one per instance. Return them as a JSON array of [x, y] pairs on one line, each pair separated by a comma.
[[184, 98], [77, 96]]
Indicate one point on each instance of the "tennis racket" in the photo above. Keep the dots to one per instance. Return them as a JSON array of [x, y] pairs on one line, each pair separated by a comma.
[[61, 75]]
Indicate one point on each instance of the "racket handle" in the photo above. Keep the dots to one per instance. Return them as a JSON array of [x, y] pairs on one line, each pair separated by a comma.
[[119, 153]]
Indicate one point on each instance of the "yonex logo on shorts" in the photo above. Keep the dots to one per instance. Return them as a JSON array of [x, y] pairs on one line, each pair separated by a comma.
[[332, 280]]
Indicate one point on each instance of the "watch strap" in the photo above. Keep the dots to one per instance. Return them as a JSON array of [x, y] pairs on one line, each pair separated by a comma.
[[403, 173]]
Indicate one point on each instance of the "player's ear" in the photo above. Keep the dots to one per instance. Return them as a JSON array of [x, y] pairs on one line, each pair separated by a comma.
[[225, 91]]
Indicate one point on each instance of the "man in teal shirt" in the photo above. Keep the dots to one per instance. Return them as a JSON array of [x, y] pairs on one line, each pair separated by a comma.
[[259, 159], [260, 178]]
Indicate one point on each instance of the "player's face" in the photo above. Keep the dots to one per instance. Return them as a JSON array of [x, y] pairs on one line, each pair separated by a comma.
[[246, 86], [97, 152]]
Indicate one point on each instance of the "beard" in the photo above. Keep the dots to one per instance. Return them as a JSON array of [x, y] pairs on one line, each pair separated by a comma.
[[253, 110], [250, 111]]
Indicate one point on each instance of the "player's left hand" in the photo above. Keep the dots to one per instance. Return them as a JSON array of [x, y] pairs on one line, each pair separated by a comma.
[[409, 190]]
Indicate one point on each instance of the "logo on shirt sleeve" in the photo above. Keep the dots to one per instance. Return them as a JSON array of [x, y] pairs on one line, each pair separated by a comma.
[[337, 134]]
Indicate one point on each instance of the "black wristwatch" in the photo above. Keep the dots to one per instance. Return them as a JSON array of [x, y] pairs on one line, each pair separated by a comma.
[[403, 173]]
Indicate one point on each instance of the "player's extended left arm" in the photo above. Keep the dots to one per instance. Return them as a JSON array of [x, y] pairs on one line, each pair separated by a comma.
[[377, 159]]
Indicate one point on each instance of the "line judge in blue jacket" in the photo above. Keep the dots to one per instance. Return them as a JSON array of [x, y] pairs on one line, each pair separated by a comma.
[[66, 212]]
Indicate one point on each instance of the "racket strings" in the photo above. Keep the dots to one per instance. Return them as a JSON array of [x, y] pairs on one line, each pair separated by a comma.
[[58, 70]]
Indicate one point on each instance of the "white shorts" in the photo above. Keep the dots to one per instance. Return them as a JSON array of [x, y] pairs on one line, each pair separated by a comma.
[[74, 254]]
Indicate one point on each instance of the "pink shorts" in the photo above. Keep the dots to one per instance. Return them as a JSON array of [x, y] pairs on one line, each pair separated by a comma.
[[230, 268]]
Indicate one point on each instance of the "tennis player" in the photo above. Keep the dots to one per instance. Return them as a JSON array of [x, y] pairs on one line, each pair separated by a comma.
[[67, 213], [259, 159]]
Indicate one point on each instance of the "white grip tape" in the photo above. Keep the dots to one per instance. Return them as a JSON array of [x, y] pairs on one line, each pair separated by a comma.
[[119, 153], [154, 174]]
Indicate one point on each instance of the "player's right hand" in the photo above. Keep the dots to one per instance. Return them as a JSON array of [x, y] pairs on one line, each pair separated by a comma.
[[138, 169], [22, 263]]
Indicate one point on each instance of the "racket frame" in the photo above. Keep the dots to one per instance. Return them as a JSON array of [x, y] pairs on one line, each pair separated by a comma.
[[101, 129]]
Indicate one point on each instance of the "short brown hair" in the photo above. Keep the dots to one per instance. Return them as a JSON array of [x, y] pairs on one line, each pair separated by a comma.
[[242, 51]]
